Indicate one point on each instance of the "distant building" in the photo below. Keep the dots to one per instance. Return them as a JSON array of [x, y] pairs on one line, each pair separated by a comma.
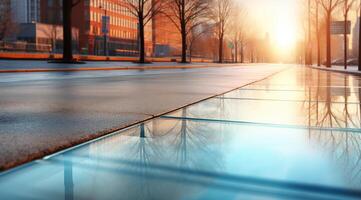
[[4, 9], [161, 35], [43, 37], [25, 11], [7, 27], [4, 6]]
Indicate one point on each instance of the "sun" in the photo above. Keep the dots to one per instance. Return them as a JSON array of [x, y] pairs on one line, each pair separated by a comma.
[[285, 35]]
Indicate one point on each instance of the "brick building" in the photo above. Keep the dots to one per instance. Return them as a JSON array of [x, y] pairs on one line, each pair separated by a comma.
[[162, 37], [166, 37], [122, 38]]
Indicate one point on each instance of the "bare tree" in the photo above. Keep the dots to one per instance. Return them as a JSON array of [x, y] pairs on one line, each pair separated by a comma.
[[186, 16], [144, 11], [329, 6], [346, 9], [359, 39], [314, 17], [238, 32], [67, 30], [318, 31], [309, 58], [221, 14]]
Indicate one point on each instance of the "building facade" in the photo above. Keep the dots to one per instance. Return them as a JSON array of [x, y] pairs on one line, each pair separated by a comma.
[[166, 37], [122, 38], [25, 11], [162, 37]]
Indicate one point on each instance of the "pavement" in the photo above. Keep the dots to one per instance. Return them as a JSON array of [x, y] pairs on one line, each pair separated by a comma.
[[42, 113]]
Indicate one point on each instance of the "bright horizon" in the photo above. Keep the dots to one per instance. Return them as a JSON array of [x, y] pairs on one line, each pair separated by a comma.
[[278, 18]]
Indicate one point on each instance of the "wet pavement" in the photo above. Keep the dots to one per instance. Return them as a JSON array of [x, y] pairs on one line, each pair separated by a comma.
[[41, 113], [295, 135]]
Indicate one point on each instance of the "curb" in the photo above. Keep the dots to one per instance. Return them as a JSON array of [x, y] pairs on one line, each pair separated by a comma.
[[112, 68], [336, 70]]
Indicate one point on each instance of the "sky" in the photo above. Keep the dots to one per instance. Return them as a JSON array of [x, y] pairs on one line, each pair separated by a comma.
[[278, 18]]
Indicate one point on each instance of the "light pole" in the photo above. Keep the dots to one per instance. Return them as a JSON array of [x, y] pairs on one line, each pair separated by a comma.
[[105, 29]]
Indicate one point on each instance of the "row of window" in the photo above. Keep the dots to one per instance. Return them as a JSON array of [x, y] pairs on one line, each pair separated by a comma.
[[111, 6], [114, 33], [116, 21]]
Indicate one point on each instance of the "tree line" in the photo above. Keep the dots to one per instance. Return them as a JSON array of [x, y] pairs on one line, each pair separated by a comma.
[[319, 15], [222, 17]]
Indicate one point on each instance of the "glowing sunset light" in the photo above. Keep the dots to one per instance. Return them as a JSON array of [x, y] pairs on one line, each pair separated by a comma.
[[279, 18], [285, 33]]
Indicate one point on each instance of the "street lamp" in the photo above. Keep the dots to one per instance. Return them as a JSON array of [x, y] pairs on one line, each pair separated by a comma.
[[105, 29]]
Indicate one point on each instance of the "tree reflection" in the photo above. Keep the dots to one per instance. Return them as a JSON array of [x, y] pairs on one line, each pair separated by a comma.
[[197, 144], [336, 119], [68, 179], [161, 143]]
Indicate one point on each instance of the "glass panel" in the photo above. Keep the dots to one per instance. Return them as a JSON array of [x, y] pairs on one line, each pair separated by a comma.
[[283, 113], [335, 95], [301, 79], [175, 159]]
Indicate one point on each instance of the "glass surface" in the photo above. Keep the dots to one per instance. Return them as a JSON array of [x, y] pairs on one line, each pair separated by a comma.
[[295, 135], [180, 159], [335, 95], [280, 113]]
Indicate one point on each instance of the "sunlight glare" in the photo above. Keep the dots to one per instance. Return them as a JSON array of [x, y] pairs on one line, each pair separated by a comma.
[[285, 35]]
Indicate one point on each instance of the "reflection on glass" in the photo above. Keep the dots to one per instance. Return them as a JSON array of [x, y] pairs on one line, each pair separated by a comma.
[[201, 153], [68, 180]]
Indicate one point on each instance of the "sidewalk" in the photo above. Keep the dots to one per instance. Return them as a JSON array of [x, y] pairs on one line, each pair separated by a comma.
[[13, 66], [350, 69]]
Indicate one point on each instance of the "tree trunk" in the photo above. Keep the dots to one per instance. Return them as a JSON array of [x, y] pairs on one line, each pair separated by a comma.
[[220, 49], [328, 40], [184, 44], [318, 38], [359, 43], [345, 49], [318, 50], [190, 54], [236, 52], [242, 53], [141, 39], [67, 26], [309, 45], [345, 45]]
